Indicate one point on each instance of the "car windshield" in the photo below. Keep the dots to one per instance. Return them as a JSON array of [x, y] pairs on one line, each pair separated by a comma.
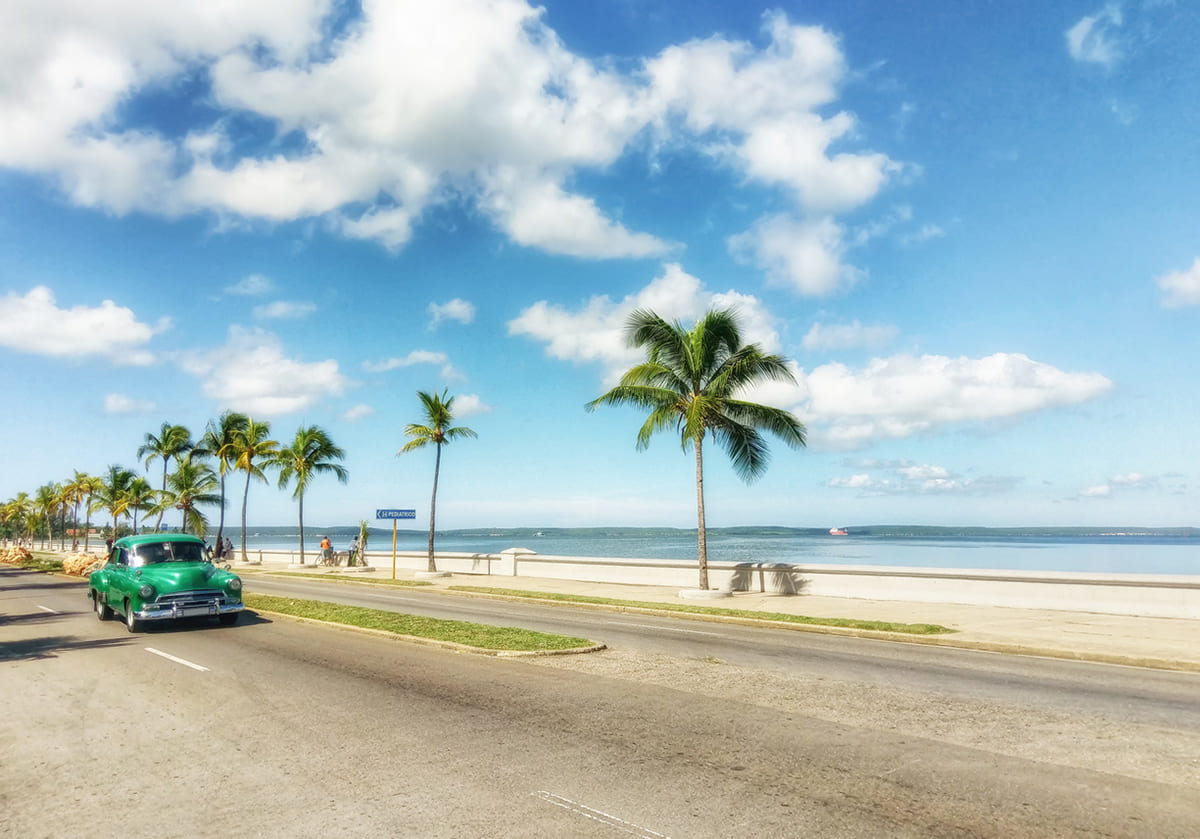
[[153, 553]]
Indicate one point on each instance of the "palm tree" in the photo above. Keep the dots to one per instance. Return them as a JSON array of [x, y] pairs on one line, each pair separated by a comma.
[[173, 441], [45, 502], [18, 512], [191, 485], [439, 413], [76, 491], [253, 443], [62, 499], [220, 441], [690, 380], [312, 453], [112, 495], [89, 485], [140, 496]]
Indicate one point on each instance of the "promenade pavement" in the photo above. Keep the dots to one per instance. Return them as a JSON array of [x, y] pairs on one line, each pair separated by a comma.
[[1166, 643]]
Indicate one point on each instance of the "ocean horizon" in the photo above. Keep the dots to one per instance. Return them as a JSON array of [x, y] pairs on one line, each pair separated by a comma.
[[1128, 550]]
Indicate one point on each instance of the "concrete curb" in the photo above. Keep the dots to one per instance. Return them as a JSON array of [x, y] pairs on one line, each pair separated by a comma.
[[432, 642]]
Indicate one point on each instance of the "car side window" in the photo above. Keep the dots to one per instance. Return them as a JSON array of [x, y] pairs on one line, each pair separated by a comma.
[[120, 557]]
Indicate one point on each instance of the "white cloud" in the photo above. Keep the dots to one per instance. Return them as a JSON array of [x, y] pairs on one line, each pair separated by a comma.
[[904, 395], [847, 336], [413, 358], [33, 323], [1181, 288], [456, 309], [284, 310], [921, 479], [596, 331], [251, 373], [410, 106], [469, 404], [358, 412], [252, 285], [806, 255], [1094, 38], [1098, 491], [119, 403]]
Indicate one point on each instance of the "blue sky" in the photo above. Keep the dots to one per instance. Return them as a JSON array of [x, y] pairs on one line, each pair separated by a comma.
[[974, 229]]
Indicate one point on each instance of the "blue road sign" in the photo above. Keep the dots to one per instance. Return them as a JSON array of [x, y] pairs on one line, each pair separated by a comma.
[[395, 514]]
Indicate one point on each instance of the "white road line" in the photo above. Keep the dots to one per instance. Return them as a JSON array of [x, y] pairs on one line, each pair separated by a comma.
[[596, 815], [177, 660], [48, 609], [671, 629]]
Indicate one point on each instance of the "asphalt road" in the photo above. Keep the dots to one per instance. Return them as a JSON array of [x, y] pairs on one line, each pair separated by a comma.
[[276, 728]]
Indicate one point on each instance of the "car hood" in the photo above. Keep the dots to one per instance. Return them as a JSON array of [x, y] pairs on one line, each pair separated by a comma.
[[184, 576]]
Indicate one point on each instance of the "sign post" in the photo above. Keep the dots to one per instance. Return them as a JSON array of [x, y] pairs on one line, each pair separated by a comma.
[[395, 515]]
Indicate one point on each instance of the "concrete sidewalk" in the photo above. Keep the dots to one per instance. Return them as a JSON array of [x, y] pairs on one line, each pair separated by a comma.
[[1166, 643]]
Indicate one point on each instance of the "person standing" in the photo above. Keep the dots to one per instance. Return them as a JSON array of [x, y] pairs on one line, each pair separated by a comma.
[[326, 551]]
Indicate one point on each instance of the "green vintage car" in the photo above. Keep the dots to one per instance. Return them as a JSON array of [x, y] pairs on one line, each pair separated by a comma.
[[163, 576]]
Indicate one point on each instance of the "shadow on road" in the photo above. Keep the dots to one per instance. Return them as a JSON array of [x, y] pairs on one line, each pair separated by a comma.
[[31, 618], [49, 647]]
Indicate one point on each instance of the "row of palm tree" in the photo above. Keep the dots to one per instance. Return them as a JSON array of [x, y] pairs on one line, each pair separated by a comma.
[[690, 381], [234, 442]]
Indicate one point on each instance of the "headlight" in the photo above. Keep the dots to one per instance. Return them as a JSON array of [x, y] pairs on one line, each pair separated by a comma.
[[146, 592], [235, 584]]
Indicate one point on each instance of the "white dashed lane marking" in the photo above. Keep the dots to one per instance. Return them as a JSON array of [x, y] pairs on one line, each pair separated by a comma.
[[598, 816], [48, 609], [177, 660]]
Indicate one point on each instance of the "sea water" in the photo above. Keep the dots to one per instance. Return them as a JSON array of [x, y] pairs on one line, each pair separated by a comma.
[[1094, 554]]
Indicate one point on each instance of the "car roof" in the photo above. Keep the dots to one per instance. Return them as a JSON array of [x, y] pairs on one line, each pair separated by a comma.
[[159, 538]]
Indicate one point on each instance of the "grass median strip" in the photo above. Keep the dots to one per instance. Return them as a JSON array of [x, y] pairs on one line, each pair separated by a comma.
[[845, 623], [482, 636], [334, 577]]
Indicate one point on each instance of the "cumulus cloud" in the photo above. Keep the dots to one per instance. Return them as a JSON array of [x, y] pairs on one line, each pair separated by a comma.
[[251, 373], [368, 123], [1098, 491], [1094, 39], [1181, 288], [119, 403], [904, 395], [413, 358], [456, 309], [905, 478], [803, 254], [284, 310], [33, 323], [846, 336], [469, 404], [595, 331]]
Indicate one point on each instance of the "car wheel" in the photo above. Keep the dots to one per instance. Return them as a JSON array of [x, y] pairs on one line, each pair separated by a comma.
[[131, 622], [229, 619], [103, 613]]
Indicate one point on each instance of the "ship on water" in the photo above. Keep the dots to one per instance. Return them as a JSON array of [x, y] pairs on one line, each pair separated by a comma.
[[838, 531]]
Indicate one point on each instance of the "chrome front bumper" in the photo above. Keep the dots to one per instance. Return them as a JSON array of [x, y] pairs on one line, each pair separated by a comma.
[[173, 611]]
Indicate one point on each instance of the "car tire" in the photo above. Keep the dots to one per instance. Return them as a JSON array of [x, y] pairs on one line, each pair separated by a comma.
[[103, 613], [131, 622], [229, 619]]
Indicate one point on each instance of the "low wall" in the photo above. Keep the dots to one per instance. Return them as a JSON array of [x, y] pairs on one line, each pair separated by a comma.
[[1151, 595]]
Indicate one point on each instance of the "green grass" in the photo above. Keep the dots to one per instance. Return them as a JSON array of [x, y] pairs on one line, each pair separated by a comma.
[[846, 623], [42, 561], [495, 638]]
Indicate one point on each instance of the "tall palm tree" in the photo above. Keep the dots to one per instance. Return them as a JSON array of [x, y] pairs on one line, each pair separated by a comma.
[[140, 496], [45, 502], [220, 441], [311, 453], [112, 495], [172, 442], [439, 414], [76, 490], [89, 485], [690, 382], [62, 499], [253, 449], [193, 484]]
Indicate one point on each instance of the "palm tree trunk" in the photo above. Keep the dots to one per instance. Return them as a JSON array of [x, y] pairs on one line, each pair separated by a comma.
[[158, 524], [701, 534], [87, 526], [301, 528], [245, 498], [221, 526], [437, 466]]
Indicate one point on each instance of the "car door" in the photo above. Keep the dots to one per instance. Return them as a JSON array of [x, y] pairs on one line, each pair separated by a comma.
[[120, 578]]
